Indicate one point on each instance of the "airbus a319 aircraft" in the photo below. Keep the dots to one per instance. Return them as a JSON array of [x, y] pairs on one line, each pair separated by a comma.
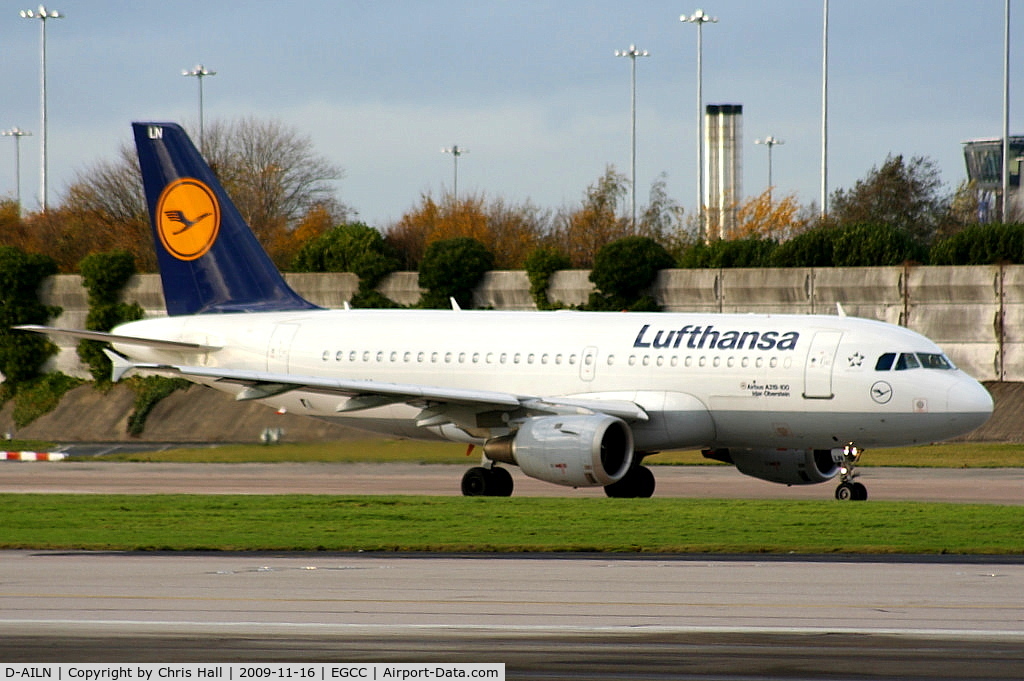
[[573, 398]]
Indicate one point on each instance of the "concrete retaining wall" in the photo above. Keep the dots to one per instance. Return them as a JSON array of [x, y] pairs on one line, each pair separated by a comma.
[[975, 313]]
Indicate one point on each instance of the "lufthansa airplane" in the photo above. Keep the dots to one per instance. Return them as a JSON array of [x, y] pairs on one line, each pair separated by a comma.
[[573, 398]]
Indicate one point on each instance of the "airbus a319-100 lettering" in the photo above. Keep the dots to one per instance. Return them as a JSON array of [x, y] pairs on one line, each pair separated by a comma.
[[579, 399]]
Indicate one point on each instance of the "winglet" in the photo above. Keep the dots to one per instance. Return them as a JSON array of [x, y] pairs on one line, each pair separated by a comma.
[[121, 365]]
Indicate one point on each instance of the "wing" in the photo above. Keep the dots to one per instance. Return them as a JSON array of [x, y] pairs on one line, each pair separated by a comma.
[[438, 405]]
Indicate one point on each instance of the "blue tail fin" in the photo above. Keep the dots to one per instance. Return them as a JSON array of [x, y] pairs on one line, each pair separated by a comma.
[[209, 259]]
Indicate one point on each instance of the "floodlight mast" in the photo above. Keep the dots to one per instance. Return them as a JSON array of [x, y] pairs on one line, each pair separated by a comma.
[[769, 142], [17, 133], [200, 72], [699, 18], [633, 53], [455, 151], [43, 15]]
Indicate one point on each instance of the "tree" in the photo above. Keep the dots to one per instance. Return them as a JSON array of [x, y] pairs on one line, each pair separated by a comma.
[[509, 231], [543, 262], [597, 222], [22, 354], [752, 251], [904, 195], [987, 244], [769, 217], [451, 269], [104, 275], [874, 245], [352, 247], [623, 272]]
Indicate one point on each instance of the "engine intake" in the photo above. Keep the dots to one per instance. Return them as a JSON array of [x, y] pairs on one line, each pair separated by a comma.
[[575, 451]]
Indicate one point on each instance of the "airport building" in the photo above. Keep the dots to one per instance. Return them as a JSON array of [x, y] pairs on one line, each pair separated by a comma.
[[984, 159]]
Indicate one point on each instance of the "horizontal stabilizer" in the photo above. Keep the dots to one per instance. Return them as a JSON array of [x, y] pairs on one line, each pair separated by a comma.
[[81, 334]]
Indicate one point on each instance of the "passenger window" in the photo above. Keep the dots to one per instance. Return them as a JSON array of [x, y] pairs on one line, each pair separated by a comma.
[[884, 362], [338, 356], [326, 355], [907, 360]]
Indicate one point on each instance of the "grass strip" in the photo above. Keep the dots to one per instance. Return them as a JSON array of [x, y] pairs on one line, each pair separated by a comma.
[[950, 455], [456, 524]]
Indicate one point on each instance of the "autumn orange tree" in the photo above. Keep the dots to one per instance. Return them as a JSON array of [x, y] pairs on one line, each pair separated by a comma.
[[509, 231], [770, 218]]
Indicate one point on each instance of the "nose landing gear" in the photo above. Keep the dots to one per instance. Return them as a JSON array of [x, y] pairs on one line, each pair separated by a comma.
[[847, 489]]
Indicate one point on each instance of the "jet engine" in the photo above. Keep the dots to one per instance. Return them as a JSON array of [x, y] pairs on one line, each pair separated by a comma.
[[575, 451], [785, 466]]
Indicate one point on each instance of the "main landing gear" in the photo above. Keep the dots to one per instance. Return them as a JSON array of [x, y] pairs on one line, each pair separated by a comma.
[[487, 482], [638, 483], [849, 490]]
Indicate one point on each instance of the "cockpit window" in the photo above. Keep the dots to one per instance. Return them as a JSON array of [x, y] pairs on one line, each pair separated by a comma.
[[934, 361], [912, 360], [907, 360]]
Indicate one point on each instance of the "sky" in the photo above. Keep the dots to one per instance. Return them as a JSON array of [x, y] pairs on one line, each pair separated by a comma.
[[530, 88]]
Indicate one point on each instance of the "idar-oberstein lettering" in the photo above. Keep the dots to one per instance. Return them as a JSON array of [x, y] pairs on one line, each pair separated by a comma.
[[698, 337]]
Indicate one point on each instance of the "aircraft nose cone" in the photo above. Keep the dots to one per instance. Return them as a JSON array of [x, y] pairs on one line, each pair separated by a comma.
[[969, 403]]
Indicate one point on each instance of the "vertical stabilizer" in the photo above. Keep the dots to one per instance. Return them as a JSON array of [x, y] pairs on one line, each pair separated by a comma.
[[210, 261]]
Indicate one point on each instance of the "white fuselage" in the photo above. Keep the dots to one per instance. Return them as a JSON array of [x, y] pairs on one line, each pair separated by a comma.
[[706, 380]]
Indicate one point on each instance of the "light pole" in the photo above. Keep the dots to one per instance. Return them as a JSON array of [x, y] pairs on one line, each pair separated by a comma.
[[42, 14], [1005, 180], [455, 151], [633, 53], [199, 72], [699, 18], [824, 111], [769, 142], [17, 134]]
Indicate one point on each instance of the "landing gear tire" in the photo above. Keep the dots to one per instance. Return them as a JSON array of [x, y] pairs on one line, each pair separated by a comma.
[[638, 483], [848, 490], [851, 491], [487, 482], [501, 481]]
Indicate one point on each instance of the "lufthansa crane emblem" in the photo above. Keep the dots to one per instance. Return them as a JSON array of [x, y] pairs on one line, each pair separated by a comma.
[[188, 218]]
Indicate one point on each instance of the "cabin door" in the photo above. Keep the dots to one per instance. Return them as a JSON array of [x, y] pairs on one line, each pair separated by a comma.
[[820, 360]]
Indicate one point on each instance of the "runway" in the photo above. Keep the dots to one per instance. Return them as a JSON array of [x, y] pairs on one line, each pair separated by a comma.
[[575, 617], [545, 617], [981, 486]]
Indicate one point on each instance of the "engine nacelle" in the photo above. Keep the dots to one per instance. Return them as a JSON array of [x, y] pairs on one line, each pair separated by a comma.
[[575, 451], [785, 466]]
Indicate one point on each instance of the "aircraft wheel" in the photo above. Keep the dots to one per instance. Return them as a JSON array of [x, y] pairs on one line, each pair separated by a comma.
[[501, 482], [860, 492], [476, 482], [638, 483], [851, 491]]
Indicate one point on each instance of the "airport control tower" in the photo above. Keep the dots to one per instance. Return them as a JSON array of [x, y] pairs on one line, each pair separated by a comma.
[[984, 159], [723, 186]]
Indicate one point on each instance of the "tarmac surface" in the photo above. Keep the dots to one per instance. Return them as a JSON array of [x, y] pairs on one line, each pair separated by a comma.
[[544, 616], [983, 485]]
